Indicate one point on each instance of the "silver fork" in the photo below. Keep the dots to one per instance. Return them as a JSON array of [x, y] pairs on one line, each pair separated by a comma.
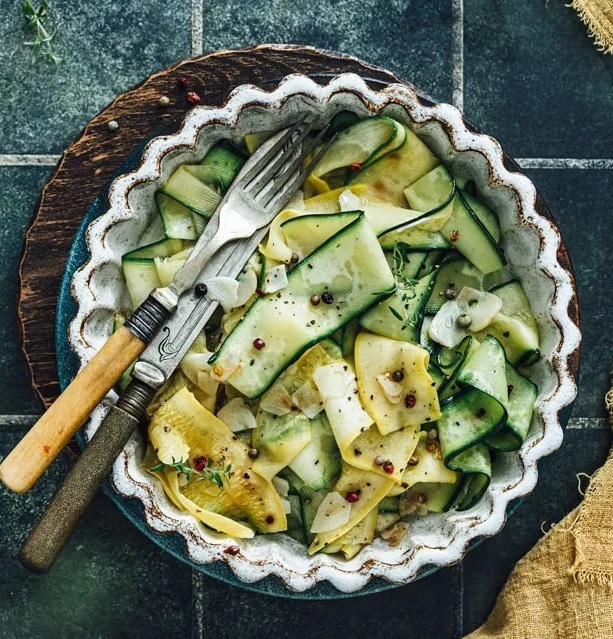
[[265, 183], [256, 197]]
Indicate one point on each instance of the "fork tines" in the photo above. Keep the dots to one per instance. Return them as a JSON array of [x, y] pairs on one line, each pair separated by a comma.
[[279, 186], [274, 150]]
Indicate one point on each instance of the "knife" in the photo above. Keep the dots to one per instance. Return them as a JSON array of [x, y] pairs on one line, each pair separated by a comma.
[[156, 364], [44, 441]]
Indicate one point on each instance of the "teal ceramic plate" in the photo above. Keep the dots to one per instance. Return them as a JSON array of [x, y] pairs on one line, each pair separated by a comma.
[[175, 543]]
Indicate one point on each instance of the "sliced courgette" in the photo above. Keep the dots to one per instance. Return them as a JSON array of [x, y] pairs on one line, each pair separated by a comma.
[[399, 316], [319, 463], [348, 272], [522, 397], [361, 144], [163, 248], [387, 178], [515, 327]]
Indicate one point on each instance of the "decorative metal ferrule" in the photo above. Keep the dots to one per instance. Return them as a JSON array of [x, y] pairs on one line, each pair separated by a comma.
[[135, 399], [147, 319]]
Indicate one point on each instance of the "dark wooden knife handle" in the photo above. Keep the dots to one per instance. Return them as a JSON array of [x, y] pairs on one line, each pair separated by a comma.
[[45, 542]]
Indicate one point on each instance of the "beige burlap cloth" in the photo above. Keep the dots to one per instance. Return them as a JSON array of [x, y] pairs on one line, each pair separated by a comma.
[[563, 588], [598, 17]]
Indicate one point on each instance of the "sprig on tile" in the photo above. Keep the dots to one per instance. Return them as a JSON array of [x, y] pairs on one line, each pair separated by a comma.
[[35, 24]]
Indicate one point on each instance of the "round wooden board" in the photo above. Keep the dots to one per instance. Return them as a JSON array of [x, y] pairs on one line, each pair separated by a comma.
[[96, 154]]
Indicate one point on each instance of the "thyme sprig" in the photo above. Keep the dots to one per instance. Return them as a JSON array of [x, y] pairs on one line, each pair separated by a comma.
[[35, 24], [405, 285], [216, 473]]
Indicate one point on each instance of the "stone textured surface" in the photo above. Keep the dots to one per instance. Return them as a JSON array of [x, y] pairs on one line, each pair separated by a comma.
[[535, 81], [411, 611], [19, 189], [111, 581], [579, 200], [408, 37], [106, 47]]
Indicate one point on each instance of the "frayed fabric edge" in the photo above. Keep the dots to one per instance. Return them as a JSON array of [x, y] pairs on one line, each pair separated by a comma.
[[594, 32], [591, 578]]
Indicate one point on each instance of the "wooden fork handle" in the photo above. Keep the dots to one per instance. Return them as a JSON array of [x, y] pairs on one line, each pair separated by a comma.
[[44, 441]]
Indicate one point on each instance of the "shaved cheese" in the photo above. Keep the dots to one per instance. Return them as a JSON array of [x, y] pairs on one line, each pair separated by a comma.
[[275, 279], [196, 367], [207, 384], [308, 399], [193, 363], [334, 381], [333, 512], [281, 486], [224, 290], [237, 416], [349, 201], [392, 390], [444, 328], [246, 287], [168, 267], [277, 401], [480, 306]]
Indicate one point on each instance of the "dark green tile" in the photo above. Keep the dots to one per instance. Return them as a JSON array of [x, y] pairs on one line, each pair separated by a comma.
[[426, 608], [110, 581], [580, 202], [106, 47], [487, 567], [19, 190], [534, 79], [408, 37]]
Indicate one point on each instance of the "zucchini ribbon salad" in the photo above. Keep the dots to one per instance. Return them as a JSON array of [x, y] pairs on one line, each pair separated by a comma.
[[365, 366]]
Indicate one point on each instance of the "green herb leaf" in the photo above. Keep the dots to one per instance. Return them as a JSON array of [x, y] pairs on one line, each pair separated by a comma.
[[216, 473], [34, 24]]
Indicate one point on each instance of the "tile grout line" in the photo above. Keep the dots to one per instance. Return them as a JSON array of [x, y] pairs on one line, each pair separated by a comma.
[[197, 26], [457, 54], [17, 420], [588, 423], [197, 605], [10, 159], [565, 163]]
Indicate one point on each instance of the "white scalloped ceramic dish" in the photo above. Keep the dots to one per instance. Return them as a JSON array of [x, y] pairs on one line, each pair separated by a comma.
[[530, 242]]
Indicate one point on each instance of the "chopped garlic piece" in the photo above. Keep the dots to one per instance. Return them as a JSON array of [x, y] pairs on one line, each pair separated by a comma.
[[333, 512], [224, 290], [277, 400], [308, 399], [237, 416], [392, 390]]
